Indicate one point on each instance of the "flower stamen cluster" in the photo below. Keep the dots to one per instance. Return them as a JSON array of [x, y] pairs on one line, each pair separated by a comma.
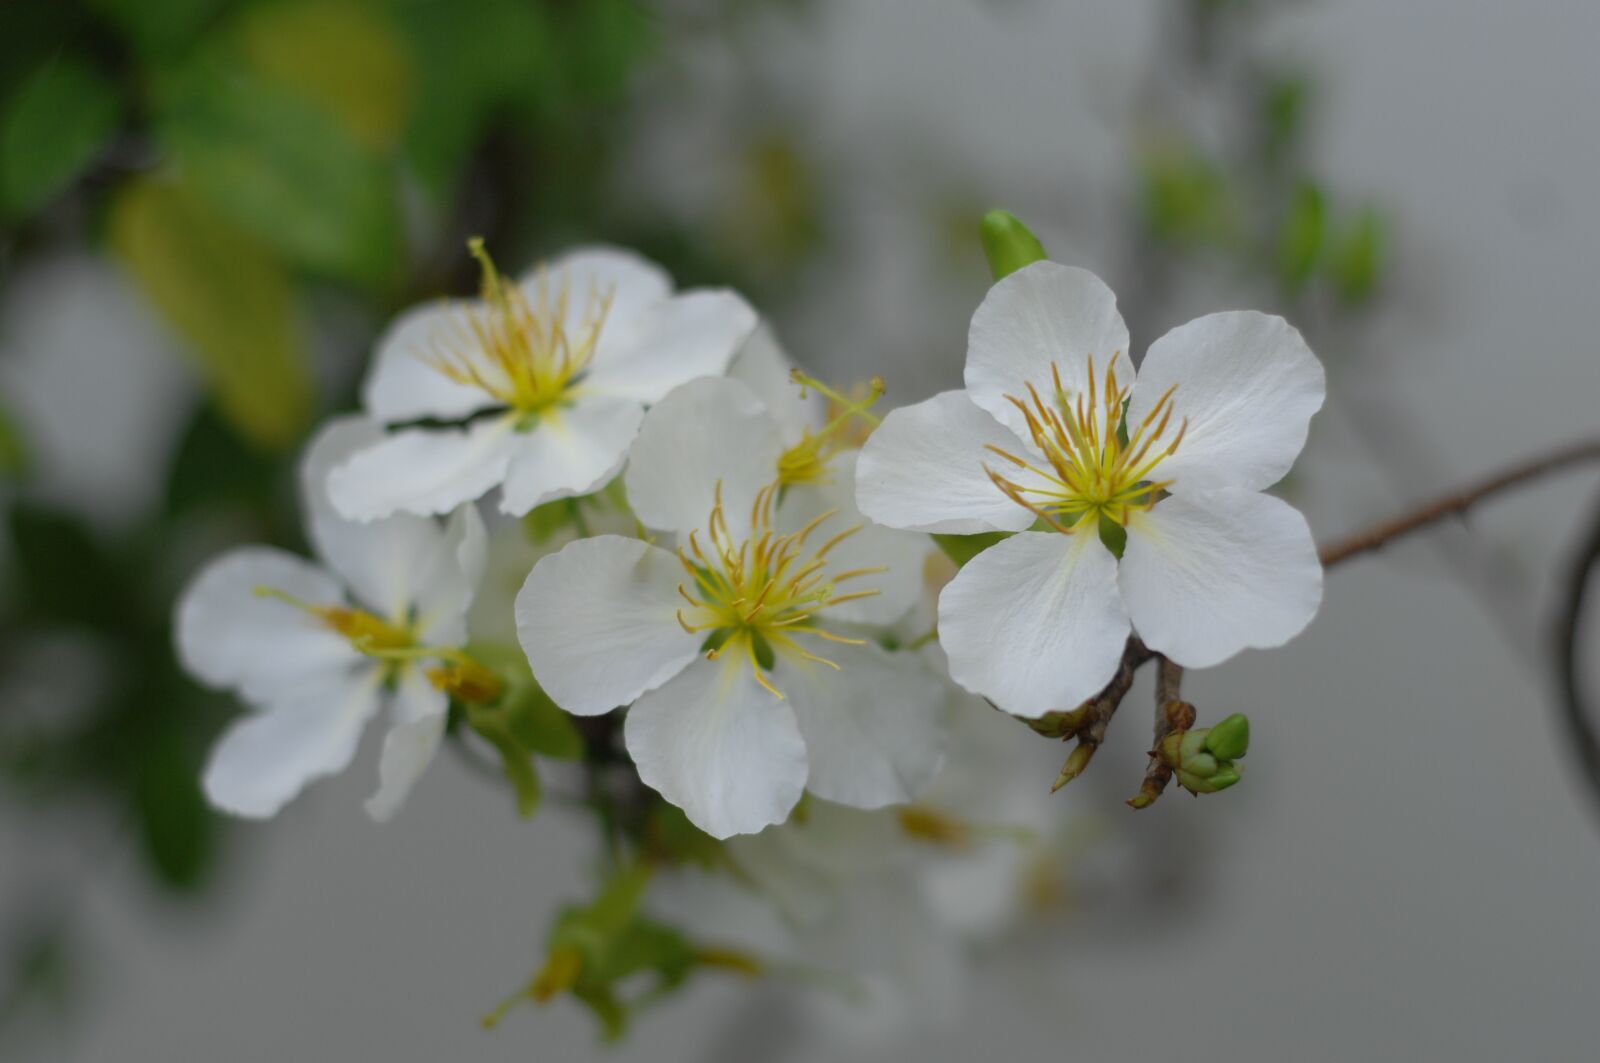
[[808, 461], [756, 596], [1096, 469], [521, 350]]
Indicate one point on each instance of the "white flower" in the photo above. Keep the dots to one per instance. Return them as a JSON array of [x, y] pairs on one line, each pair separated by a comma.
[[1211, 566], [318, 649], [745, 689], [547, 379]]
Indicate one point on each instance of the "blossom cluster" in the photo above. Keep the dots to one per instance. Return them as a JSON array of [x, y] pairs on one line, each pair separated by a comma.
[[747, 570]]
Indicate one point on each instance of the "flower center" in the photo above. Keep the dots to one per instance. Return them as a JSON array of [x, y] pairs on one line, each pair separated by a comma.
[[849, 423], [758, 596], [527, 352], [1096, 465]]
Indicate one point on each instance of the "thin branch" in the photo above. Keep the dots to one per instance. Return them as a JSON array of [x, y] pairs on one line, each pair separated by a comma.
[[1576, 716], [1380, 535], [1172, 714], [1096, 714]]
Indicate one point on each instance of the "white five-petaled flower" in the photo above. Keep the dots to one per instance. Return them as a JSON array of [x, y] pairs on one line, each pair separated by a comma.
[[544, 382], [318, 649], [1053, 431], [748, 678]]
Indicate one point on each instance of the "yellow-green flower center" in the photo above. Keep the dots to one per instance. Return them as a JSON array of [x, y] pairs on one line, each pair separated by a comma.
[[1095, 466], [849, 422], [757, 596], [528, 352]]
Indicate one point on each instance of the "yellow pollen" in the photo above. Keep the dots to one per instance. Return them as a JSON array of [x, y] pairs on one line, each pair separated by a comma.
[[526, 351], [849, 422], [755, 597], [927, 824], [1092, 469]]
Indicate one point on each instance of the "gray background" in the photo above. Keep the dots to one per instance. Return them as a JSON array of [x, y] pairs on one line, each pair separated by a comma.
[[1409, 870]]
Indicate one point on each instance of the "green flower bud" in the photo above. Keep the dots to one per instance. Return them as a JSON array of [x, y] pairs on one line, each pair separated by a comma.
[[1007, 243], [1201, 765], [1230, 739]]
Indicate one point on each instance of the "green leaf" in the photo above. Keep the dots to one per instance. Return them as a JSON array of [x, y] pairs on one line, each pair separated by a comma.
[[13, 449], [64, 575], [349, 57], [1008, 244], [1301, 235], [515, 761], [279, 164], [228, 296], [1358, 259], [540, 725], [1185, 199], [51, 130], [159, 30], [963, 548], [1285, 102], [177, 829]]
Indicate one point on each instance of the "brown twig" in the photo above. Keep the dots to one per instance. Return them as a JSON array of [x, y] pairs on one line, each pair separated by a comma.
[[1096, 714], [1575, 714], [1172, 714], [1379, 535]]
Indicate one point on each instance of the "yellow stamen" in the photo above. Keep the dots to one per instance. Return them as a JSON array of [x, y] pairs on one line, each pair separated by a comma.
[[808, 461]]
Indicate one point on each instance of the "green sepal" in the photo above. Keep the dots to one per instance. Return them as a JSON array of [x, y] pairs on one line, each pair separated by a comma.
[[765, 656], [1113, 535], [1007, 243], [516, 762], [1229, 739], [963, 548], [539, 724]]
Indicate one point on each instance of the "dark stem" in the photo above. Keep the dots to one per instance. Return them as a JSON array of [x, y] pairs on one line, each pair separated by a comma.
[[1172, 714], [1576, 718], [1380, 535], [1096, 714]]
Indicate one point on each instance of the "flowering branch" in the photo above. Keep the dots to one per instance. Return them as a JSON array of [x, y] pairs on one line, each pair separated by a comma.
[[1380, 535]]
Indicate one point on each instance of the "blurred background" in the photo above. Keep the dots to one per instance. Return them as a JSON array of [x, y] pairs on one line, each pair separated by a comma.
[[209, 207]]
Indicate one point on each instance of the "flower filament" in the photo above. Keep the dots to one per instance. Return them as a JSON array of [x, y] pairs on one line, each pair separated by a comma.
[[1097, 467], [757, 596], [808, 461], [527, 352]]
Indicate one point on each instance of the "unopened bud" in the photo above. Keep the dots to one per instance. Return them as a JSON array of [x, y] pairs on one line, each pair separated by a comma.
[[1230, 739], [1007, 243]]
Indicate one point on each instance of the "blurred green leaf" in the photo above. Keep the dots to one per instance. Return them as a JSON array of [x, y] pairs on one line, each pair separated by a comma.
[[474, 58], [1301, 235], [64, 574], [1184, 198], [349, 56], [13, 449], [160, 29], [213, 466], [963, 548], [51, 130], [603, 42], [540, 725], [228, 296], [1285, 102], [515, 760], [1358, 258], [176, 827], [283, 166]]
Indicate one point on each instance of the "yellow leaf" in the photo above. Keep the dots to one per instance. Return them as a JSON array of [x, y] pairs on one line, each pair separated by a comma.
[[347, 56], [225, 294]]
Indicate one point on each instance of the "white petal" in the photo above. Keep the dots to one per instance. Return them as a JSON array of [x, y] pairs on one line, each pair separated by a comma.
[[1208, 574], [598, 622], [446, 578], [629, 281], [424, 471], [923, 469], [875, 729], [720, 747], [573, 450], [904, 554], [380, 559], [704, 433], [670, 343], [405, 385], [265, 759], [1248, 385], [229, 636], [1042, 316], [419, 713], [1035, 623], [762, 365]]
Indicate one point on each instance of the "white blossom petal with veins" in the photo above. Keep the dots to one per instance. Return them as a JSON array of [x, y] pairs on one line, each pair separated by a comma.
[[1208, 574], [718, 745], [597, 620], [572, 451], [1035, 623]]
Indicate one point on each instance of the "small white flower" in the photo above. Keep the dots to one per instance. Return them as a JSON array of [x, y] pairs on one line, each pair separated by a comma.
[[319, 649], [745, 688], [1212, 565], [548, 380]]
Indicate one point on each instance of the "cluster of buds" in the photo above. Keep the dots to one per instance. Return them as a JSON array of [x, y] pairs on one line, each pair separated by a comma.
[[1200, 759]]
